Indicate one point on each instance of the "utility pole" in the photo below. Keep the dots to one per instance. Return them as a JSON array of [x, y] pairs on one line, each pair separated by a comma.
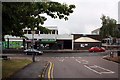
[[33, 55]]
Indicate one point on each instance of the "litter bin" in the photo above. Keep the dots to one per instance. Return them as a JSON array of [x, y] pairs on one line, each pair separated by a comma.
[[118, 53]]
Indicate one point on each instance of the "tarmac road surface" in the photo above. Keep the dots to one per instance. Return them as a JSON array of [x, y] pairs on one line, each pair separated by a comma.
[[79, 66], [82, 67]]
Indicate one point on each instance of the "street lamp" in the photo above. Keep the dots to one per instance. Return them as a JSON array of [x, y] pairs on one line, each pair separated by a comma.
[[33, 42]]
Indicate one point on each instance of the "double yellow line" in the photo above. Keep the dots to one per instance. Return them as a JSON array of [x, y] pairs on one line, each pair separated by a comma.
[[50, 71], [44, 70], [49, 74]]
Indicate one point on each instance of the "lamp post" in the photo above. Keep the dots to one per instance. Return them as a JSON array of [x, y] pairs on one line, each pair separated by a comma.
[[33, 55]]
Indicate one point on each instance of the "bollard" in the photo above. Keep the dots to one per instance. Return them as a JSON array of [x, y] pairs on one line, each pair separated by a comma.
[[33, 56], [111, 54]]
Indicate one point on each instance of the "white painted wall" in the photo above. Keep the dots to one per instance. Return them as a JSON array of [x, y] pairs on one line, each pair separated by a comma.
[[50, 36]]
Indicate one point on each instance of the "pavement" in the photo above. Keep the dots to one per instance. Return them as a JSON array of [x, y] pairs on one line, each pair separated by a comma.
[[19, 51], [32, 71]]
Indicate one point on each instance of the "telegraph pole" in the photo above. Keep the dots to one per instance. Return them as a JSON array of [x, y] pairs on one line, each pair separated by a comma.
[[33, 55]]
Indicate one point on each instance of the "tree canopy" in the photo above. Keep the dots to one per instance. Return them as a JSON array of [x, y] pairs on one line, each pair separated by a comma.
[[18, 15], [109, 27]]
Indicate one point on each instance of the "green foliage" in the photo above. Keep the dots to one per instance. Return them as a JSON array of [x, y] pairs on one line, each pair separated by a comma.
[[109, 27], [43, 29], [18, 15]]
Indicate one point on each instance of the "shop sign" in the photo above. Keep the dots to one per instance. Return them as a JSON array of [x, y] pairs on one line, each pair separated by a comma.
[[48, 40]]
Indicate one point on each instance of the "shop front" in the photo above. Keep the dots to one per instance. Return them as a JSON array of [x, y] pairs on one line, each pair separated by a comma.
[[48, 44]]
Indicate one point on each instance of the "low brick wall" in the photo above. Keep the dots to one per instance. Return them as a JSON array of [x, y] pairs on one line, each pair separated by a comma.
[[12, 51], [64, 51]]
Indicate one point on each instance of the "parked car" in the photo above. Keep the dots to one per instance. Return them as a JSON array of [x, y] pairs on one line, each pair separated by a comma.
[[97, 49], [102, 49], [32, 51]]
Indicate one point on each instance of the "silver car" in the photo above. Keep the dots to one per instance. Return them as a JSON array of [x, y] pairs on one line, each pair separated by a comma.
[[33, 51]]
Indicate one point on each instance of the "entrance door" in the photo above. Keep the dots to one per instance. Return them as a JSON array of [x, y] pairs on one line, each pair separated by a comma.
[[67, 44]]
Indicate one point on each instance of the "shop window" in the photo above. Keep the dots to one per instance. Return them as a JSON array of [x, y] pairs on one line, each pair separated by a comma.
[[36, 32], [83, 45], [29, 32], [57, 32], [53, 32], [25, 31], [41, 32]]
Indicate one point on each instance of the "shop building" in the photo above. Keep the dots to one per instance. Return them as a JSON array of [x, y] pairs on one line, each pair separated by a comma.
[[50, 41], [53, 40], [84, 42]]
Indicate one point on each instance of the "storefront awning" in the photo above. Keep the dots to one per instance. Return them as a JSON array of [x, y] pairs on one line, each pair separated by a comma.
[[86, 39]]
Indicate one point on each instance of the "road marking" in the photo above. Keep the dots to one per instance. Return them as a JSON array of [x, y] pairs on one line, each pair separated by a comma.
[[85, 61], [72, 57], [95, 66], [108, 71], [105, 56], [44, 71], [92, 69], [49, 71], [66, 57], [52, 70], [78, 61], [61, 60]]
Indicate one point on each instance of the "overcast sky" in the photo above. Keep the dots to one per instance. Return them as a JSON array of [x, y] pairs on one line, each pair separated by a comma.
[[86, 16]]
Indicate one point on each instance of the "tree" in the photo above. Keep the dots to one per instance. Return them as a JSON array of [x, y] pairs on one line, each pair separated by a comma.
[[18, 15], [109, 27]]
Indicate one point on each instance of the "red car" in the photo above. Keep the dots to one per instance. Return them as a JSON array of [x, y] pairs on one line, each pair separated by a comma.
[[97, 49]]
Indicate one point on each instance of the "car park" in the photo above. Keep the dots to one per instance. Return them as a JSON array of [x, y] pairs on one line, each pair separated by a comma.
[[97, 49], [33, 51]]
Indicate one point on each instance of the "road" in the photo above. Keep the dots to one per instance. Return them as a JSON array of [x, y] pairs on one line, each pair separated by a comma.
[[78, 65], [81, 65]]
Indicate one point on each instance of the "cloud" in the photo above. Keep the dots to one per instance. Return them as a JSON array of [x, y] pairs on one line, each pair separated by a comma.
[[86, 16]]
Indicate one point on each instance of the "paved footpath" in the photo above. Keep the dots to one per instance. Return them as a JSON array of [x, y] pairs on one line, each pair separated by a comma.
[[32, 71]]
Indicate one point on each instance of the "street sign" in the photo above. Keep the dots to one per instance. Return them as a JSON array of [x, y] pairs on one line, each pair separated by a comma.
[[47, 40]]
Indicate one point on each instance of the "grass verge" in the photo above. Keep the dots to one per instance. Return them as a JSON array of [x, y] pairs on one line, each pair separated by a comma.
[[9, 67]]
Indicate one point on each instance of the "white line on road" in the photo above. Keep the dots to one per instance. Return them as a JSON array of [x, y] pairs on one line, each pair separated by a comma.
[[66, 57], [61, 60], [92, 69], [95, 66], [72, 57], [85, 61], [78, 61], [108, 71]]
